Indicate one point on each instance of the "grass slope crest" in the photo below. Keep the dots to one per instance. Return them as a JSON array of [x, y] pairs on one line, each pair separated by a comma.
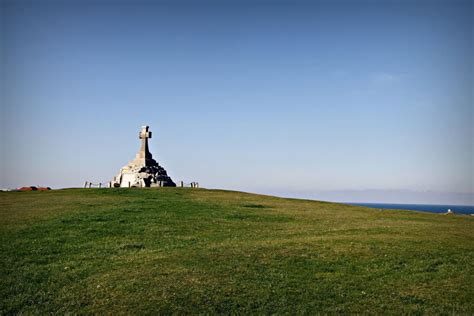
[[174, 250]]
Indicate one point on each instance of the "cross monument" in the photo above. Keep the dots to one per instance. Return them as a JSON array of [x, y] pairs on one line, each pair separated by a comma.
[[143, 171]]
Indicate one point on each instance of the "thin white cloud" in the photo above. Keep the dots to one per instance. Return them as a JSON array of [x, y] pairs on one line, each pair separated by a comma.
[[383, 78]]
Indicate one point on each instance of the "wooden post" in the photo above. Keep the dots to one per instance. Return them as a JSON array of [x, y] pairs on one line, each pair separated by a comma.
[[85, 185], [182, 183], [100, 185], [129, 184], [90, 185]]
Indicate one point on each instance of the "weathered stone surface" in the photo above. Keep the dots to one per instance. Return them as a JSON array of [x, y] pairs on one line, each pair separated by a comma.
[[143, 171]]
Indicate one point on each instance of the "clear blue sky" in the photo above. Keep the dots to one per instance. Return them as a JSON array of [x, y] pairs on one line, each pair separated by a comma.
[[371, 99]]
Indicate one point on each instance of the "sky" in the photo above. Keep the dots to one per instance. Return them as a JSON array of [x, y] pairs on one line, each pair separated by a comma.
[[355, 101]]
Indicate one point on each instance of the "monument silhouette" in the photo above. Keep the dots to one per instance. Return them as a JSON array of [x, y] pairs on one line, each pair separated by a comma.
[[143, 171]]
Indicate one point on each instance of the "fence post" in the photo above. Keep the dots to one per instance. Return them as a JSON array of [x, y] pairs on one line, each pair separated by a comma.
[[182, 184], [90, 185], [129, 184], [85, 184], [100, 185]]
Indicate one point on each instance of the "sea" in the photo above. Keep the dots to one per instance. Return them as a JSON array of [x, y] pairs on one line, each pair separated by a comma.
[[432, 208]]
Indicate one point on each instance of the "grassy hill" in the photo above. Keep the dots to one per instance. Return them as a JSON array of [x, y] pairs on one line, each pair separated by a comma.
[[209, 251]]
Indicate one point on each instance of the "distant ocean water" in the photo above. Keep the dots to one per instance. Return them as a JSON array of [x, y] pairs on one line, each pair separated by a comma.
[[462, 209]]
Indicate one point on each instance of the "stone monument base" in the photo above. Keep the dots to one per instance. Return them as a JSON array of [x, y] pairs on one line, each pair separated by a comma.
[[142, 177]]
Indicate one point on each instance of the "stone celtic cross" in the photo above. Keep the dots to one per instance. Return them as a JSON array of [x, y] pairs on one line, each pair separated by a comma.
[[144, 135]]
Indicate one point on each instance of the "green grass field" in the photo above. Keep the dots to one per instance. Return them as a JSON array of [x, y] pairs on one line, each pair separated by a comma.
[[174, 250]]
